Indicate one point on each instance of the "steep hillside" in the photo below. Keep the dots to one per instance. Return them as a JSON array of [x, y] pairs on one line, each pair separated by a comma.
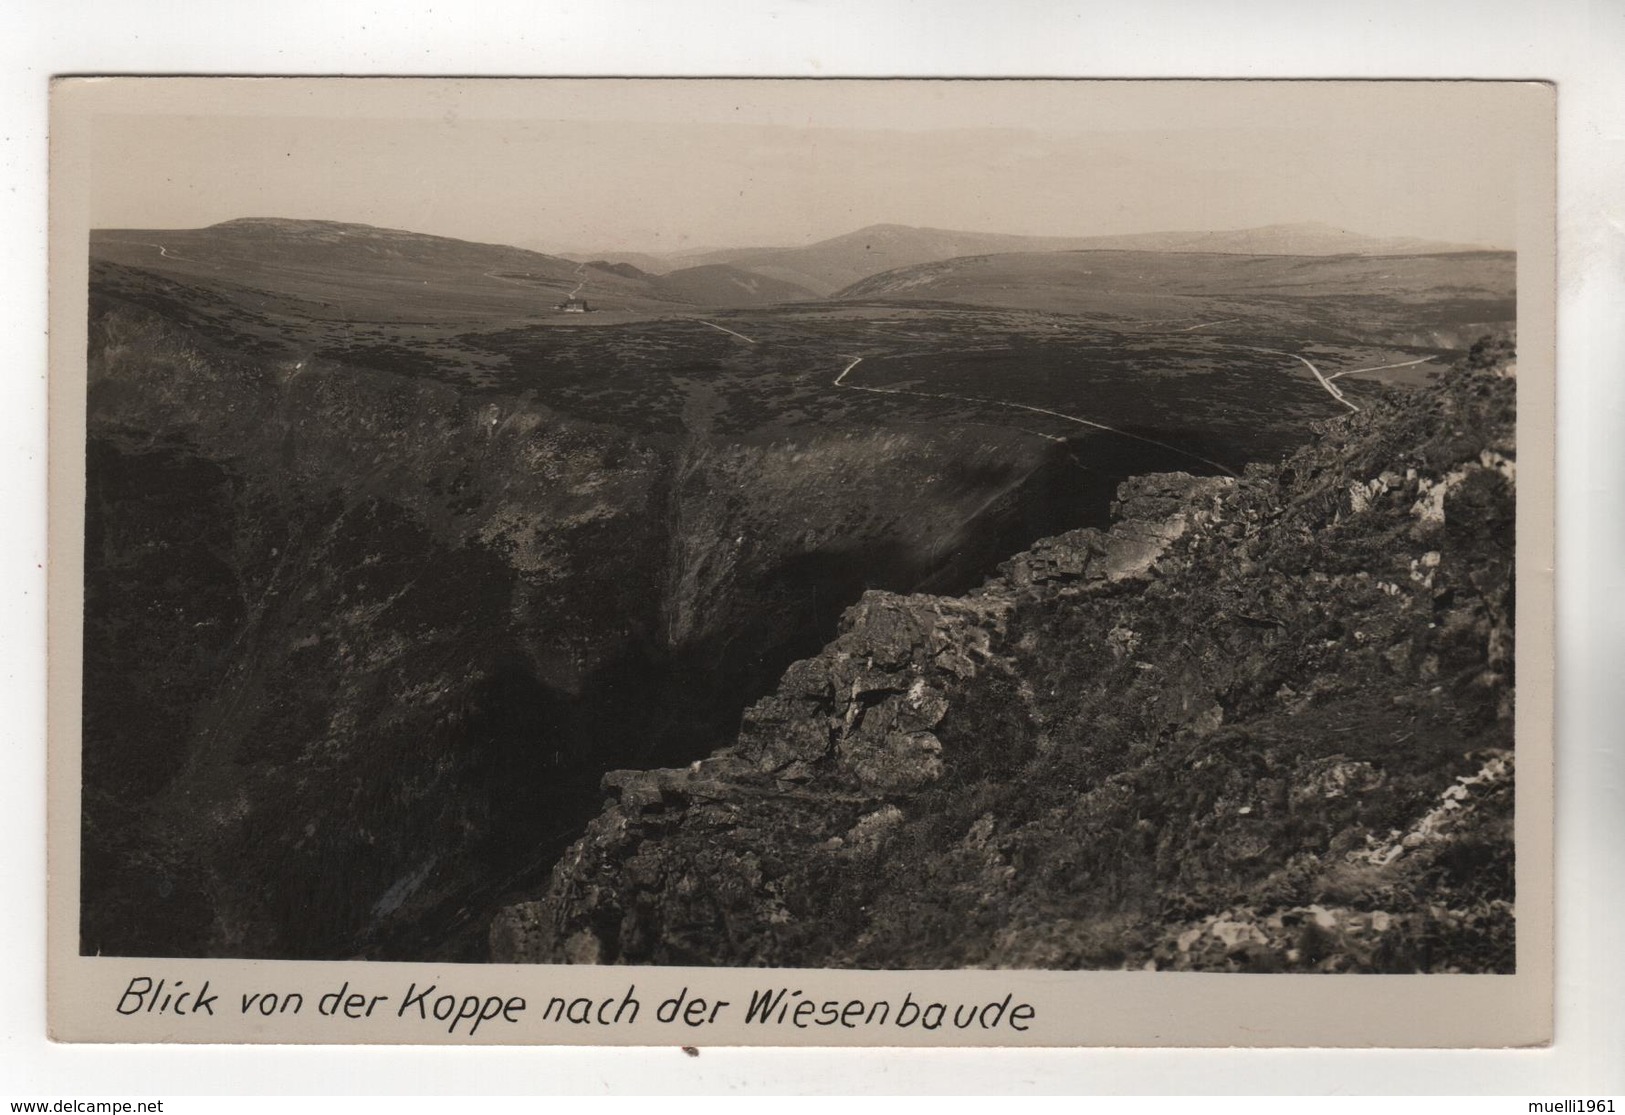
[[1259, 725], [361, 636], [386, 563]]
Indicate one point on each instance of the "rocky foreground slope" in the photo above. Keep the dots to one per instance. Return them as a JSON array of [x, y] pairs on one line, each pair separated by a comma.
[[1258, 725]]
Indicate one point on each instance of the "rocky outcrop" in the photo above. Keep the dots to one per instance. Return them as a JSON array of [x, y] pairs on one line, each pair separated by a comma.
[[1259, 724], [853, 728]]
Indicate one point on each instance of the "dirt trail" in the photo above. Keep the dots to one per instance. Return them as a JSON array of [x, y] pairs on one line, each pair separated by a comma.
[[1381, 367], [1331, 388], [730, 332], [840, 381]]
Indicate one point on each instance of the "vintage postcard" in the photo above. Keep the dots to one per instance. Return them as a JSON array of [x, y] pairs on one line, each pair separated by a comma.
[[705, 562]]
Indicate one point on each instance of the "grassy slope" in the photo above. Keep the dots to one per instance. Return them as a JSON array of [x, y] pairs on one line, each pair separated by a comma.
[[719, 284], [1471, 287], [349, 272]]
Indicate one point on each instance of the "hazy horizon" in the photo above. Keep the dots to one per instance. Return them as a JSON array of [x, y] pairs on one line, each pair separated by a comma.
[[566, 249], [648, 166]]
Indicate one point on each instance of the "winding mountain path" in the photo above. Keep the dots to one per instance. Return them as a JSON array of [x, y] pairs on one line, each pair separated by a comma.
[[1380, 367], [840, 381], [853, 361], [1331, 388], [730, 332]]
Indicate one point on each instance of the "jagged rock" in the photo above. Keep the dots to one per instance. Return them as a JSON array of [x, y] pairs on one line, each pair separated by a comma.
[[872, 827], [895, 761], [1258, 725]]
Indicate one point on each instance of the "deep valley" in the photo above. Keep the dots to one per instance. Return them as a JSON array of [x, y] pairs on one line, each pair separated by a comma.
[[390, 559]]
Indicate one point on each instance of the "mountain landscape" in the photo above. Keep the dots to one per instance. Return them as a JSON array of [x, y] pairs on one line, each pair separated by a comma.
[[1446, 300], [328, 270], [828, 265], [432, 586], [1309, 238], [1151, 747]]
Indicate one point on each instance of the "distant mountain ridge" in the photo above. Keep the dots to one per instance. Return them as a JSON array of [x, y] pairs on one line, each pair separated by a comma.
[[829, 265], [1455, 296], [331, 262], [1313, 238], [274, 235], [251, 244], [711, 284], [329, 254]]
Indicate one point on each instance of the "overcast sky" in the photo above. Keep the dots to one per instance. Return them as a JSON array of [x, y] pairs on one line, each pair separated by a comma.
[[667, 165]]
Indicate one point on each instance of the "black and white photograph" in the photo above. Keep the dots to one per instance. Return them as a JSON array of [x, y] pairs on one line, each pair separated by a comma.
[[865, 525]]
